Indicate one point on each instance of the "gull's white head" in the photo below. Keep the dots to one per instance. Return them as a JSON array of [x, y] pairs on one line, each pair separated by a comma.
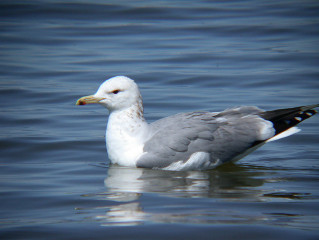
[[116, 93]]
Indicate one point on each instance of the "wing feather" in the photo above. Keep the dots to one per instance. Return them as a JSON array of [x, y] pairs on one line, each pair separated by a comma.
[[223, 135]]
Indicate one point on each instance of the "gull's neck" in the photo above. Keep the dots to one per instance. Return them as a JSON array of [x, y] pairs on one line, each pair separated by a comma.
[[125, 134]]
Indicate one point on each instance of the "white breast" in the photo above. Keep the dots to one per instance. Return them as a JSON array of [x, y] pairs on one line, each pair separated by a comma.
[[122, 148], [125, 137]]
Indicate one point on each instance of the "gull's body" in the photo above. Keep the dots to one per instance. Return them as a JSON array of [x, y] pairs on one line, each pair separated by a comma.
[[186, 141]]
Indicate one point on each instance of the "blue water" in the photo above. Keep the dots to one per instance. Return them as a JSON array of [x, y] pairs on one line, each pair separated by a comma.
[[56, 181]]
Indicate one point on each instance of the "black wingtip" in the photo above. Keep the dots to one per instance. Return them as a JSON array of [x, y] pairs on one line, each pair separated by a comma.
[[284, 119]]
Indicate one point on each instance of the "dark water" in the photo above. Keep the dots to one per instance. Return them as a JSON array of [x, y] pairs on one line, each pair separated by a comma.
[[185, 55]]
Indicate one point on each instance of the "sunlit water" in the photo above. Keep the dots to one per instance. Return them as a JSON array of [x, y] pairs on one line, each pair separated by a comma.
[[56, 182]]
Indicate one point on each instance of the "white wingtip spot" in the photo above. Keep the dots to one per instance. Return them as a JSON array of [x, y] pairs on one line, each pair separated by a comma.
[[299, 119]]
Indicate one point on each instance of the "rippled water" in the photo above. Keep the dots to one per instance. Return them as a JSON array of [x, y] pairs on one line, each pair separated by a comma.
[[56, 182]]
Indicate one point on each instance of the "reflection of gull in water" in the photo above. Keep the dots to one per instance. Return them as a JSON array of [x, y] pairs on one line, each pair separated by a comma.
[[125, 186], [126, 214], [124, 183], [134, 196]]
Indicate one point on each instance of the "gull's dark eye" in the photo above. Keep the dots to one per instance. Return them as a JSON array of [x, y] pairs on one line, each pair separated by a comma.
[[116, 91]]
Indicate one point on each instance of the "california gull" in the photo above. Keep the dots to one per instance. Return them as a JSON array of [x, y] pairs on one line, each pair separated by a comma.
[[186, 141]]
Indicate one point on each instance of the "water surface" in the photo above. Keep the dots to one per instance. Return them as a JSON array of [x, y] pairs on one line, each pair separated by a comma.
[[56, 181]]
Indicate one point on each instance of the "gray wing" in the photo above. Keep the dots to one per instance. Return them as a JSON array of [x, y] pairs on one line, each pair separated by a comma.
[[223, 135]]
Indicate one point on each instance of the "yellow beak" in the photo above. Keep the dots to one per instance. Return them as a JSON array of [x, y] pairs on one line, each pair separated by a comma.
[[88, 100]]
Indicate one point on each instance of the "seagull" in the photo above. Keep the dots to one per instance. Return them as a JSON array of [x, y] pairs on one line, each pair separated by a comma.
[[186, 141]]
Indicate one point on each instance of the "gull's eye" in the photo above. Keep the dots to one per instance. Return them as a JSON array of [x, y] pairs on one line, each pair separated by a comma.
[[116, 91]]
